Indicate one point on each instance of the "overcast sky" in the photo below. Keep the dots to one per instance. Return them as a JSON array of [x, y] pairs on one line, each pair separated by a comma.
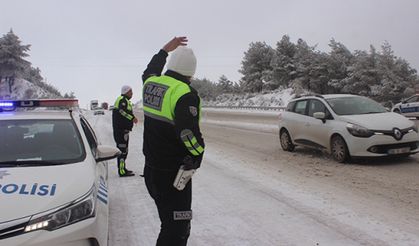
[[93, 47]]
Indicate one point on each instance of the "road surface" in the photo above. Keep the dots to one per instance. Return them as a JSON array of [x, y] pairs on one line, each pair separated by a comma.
[[250, 192]]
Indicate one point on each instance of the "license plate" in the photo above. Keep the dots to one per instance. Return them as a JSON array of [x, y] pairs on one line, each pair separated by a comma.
[[399, 151]]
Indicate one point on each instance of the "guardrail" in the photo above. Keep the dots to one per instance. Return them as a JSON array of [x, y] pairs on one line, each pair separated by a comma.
[[248, 107]]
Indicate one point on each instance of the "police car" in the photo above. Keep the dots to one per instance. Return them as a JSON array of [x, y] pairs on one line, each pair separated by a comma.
[[53, 176], [408, 107]]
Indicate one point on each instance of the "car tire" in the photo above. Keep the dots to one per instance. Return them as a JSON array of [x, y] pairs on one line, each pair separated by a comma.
[[286, 142], [339, 149], [396, 111]]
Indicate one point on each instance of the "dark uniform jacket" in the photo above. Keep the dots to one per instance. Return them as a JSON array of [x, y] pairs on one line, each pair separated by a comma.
[[122, 115], [163, 146]]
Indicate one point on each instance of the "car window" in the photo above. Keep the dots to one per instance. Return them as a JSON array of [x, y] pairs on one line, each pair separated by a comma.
[[355, 105], [300, 107], [290, 106], [39, 142], [412, 99], [90, 135], [316, 106]]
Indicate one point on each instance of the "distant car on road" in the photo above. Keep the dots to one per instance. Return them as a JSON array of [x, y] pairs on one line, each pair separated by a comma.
[[408, 107], [346, 126], [99, 111], [53, 176]]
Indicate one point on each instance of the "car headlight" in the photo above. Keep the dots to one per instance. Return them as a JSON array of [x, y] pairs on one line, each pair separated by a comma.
[[78, 210], [359, 131]]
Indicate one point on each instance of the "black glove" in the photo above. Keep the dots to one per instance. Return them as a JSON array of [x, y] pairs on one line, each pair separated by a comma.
[[191, 163]]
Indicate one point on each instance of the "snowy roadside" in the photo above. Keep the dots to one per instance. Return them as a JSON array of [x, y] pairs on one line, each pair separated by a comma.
[[240, 197]]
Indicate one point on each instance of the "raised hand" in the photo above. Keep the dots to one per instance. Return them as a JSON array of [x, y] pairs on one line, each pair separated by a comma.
[[174, 43]]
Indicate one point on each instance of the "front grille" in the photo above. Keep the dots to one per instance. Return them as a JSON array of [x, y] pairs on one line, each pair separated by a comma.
[[13, 228], [391, 132], [383, 149]]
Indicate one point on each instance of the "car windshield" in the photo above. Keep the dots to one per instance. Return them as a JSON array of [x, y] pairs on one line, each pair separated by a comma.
[[355, 105], [39, 142]]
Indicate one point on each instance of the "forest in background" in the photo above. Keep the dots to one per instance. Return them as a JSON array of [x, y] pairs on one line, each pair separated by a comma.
[[378, 74]]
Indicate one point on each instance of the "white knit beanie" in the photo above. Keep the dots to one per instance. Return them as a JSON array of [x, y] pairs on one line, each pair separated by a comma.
[[125, 89], [182, 61]]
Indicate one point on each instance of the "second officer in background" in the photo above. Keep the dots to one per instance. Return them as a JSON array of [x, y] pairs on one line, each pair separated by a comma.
[[123, 120]]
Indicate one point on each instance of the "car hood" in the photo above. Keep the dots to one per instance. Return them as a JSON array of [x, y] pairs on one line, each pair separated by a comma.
[[380, 121], [25, 191]]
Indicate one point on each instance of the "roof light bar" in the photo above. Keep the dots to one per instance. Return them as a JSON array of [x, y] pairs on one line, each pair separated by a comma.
[[11, 104], [6, 104], [59, 103]]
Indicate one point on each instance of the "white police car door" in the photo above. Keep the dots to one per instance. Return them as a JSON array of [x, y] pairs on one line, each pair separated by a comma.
[[410, 107]]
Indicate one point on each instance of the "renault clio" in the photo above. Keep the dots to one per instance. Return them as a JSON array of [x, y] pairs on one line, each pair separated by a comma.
[[346, 126]]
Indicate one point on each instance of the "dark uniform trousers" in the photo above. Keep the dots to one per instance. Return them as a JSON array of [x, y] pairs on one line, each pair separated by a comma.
[[121, 138], [174, 206]]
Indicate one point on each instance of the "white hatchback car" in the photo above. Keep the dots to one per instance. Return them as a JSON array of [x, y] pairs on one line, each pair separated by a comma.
[[346, 126], [408, 107], [53, 176]]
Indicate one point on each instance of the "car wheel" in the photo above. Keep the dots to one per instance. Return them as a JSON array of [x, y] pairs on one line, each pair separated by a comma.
[[286, 142], [339, 149], [396, 110]]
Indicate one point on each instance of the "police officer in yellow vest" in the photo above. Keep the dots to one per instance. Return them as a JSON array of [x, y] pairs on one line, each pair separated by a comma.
[[122, 121], [173, 145]]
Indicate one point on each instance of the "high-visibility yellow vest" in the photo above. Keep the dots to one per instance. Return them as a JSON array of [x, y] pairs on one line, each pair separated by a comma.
[[160, 95], [129, 108]]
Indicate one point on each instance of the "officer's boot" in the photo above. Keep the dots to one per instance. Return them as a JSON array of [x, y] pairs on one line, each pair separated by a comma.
[[122, 171]]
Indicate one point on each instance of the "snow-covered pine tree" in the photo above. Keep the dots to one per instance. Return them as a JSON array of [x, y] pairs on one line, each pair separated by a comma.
[[304, 60], [33, 75], [207, 90], [339, 61], [256, 67], [283, 63], [12, 54], [398, 79], [225, 85]]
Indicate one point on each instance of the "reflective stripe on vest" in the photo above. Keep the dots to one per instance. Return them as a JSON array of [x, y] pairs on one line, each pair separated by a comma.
[[191, 143], [122, 112], [160, 95]]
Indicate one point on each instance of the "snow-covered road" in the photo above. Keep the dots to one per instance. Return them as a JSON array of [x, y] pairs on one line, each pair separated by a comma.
[[249, 192]]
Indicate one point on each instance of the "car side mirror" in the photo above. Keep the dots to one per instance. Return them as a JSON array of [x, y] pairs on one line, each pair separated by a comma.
[[106, 152], [320, 115]]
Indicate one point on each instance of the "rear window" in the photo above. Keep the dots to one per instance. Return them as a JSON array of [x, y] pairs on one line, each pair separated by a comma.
[[39, 142]]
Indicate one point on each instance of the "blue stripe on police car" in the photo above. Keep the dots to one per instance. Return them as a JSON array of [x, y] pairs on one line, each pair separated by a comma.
[[102, 193]]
